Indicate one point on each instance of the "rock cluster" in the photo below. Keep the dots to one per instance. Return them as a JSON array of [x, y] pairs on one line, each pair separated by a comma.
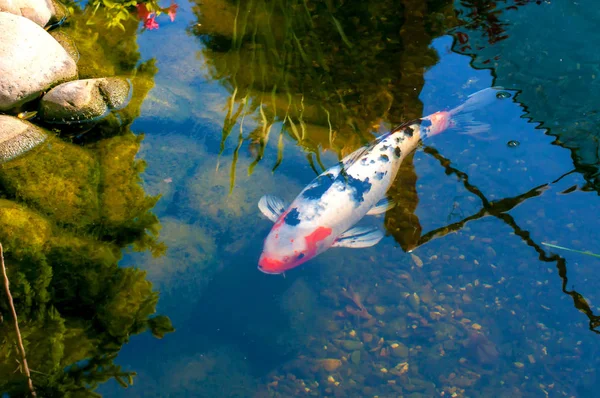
[[36, 64]]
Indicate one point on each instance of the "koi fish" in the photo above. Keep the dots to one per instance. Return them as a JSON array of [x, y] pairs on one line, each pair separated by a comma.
[[325, 212]]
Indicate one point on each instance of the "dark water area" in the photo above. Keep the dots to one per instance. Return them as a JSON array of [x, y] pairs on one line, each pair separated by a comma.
[[463, 297]]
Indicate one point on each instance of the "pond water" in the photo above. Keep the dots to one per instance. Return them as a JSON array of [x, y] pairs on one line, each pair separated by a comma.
[[460, 298]]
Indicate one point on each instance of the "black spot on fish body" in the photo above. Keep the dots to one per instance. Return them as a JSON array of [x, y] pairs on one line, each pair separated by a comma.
[[397, 151], [320, 186], [300, 256], [379, 175], [399, 139], [372, 161], [384, 148], [425, 123], [359, 188], [409, 131], [384, 158], [292, 218]]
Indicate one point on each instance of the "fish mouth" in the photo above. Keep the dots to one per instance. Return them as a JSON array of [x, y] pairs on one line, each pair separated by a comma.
[[270, 266], [264, 271]]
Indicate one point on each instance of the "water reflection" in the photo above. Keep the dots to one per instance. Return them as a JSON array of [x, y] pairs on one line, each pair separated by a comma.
[[68, 210], [460, 316], [472, 313], [492, 36], [324, 74]]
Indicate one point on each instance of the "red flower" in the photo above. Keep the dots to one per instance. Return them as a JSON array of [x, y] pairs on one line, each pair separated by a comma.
[[143, 12], [172, 11], [150, 22]]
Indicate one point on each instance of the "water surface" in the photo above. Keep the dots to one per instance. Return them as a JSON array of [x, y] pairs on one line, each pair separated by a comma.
[[254, 98]]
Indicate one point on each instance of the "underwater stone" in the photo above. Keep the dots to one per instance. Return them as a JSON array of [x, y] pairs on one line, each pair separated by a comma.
[[116, 91], [38, 11], [86, 100], [31, 61], [67, 43], [17, 137], [330, 364]]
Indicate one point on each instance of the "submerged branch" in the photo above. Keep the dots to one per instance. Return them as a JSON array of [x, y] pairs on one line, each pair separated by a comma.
[[17, 330]]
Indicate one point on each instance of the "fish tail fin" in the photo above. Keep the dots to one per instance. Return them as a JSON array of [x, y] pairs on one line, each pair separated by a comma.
[[479, 100], [464, 118]]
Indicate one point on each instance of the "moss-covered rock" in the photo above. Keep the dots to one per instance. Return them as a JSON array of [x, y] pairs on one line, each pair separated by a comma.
[[22, 230], [60, 180]]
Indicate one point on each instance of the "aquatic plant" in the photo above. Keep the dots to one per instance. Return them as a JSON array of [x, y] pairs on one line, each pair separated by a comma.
[[586, 252]]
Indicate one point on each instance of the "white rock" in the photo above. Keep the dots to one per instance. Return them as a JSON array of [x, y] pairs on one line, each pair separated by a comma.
[[84, 100], [31, 61], [39, 11]]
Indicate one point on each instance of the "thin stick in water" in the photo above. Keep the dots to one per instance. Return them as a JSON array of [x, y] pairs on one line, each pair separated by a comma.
[[14, 313]]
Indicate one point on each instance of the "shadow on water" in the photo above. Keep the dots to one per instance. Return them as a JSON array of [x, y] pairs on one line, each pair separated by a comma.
[[68, 211]]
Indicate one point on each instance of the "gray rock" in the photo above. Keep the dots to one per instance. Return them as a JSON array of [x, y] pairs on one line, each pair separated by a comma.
[[17, 137], [83, 101], [31, 61], [39, 11]]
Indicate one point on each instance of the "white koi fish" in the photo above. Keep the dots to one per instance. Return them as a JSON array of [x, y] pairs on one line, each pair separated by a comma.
[[323, 215]]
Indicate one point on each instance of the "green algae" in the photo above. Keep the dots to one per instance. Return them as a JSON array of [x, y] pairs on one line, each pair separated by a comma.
[[60, 180], [125, 209]]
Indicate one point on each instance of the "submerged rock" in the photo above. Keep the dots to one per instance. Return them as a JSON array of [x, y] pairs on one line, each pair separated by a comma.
[[38, 11], [83, 101], [17, 137], [32, 61]]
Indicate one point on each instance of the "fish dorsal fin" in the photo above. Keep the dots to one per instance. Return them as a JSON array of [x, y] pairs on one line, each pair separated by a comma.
[[381, 207], [271, 206], [349, 160], [359, 237]]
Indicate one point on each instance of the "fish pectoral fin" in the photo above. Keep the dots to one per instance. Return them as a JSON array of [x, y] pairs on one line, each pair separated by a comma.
[[381, 207], [359, 237], [271, 206]]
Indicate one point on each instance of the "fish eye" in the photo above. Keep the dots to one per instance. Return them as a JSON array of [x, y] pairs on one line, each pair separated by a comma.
[[300, 256]]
